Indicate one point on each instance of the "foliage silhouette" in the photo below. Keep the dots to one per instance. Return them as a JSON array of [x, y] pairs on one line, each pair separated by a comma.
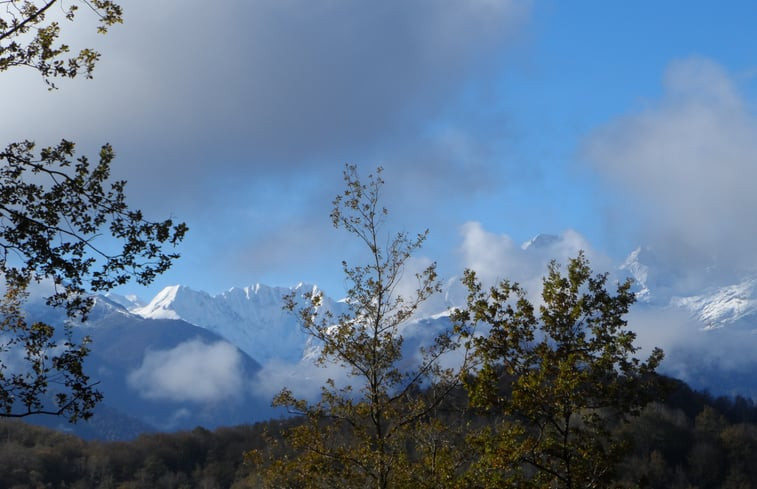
[[53, 207]]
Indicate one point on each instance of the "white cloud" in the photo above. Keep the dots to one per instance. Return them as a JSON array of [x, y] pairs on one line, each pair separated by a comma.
[[191, 371], [305, 379], [689, 162], [497, 257], [706, 359]]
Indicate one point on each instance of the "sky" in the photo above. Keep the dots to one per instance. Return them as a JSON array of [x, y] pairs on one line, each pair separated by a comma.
[[613, 124]]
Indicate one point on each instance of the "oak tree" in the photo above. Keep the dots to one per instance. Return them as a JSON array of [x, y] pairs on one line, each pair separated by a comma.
[[379, 429], [53, 207], [30, 32], [558, 375]]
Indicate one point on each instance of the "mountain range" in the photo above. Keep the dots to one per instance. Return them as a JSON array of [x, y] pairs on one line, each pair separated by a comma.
[[189, 358]]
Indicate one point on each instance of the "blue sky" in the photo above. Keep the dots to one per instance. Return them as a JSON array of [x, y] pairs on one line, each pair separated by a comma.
[[621, 123]]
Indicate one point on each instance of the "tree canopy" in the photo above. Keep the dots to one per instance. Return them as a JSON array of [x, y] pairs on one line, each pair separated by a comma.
[[548, 385], [560, 378], [28, 38], [378, 428], [63, 221]]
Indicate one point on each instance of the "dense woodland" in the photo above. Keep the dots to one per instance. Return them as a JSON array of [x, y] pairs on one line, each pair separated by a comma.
[[692, 440]]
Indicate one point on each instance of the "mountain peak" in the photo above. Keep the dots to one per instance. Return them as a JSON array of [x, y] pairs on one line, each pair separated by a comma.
[[250, 317], [161, 306], [635, 265], [541, 241]]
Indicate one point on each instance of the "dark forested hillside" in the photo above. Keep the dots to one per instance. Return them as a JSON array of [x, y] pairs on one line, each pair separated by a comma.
[[32, 456], [690, 441]]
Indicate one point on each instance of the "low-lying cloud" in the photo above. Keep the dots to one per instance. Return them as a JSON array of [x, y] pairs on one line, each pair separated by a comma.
[[305, 379], [720, 360], [192, 371]]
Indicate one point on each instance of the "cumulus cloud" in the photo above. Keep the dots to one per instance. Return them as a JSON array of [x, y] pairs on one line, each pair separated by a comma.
[[192, 371], [689, 161], [497, 257]]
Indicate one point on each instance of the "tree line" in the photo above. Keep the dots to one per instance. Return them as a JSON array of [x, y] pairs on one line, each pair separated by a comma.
[[692, 440]]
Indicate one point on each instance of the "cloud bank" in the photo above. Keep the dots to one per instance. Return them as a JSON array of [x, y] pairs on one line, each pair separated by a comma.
[[688, 162], [192, 371], [260, 87]]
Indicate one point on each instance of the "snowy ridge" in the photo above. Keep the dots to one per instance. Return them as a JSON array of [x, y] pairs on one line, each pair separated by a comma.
[[640, 273], [541, 241], [129, 302], [252, 318], [715, 308], [161, 306], [722, 307]]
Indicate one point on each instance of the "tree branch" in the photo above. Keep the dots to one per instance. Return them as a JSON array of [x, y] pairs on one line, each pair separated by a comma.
[[31, 18]]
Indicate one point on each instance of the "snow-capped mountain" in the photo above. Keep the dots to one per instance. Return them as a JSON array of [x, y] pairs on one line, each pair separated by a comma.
[[251, 318], [541, 241], [714, 307], [187, 357], [723, 306], [639, 271]]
